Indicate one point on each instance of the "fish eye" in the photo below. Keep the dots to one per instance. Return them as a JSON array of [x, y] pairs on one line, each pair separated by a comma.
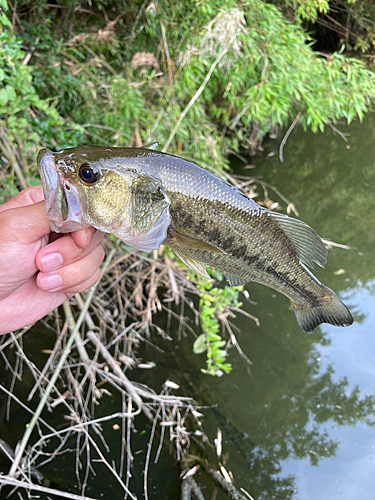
[[157, 194], [88, 174]]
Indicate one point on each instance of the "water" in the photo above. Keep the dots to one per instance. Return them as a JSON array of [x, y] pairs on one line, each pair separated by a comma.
[[306, 408], [297, 423]]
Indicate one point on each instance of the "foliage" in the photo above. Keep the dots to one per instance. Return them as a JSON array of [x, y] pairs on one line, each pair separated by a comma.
[[307, 9], [9, 188], [86, 89], [27, 118], [359, 17], [128, 81], [213, 302], [351, 22]]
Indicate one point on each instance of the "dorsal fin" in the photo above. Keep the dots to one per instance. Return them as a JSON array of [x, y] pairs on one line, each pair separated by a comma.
[[151, 145], [309, 247]]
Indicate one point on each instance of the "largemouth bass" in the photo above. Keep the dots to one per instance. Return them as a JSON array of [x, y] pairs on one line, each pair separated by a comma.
[[148, 198]]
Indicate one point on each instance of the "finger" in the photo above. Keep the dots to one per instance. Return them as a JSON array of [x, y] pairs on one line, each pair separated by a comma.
[[73, 275], [24, 224], [83, 286], [84, 236], [63, 252], [28, 196]]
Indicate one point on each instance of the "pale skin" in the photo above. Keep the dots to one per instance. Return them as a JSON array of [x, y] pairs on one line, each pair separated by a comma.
[[37, 271]]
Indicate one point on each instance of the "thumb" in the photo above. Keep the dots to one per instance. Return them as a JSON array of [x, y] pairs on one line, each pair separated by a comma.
[[24, 224]]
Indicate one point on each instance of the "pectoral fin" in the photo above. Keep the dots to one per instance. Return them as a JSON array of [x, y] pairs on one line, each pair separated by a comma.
[[185, 241]]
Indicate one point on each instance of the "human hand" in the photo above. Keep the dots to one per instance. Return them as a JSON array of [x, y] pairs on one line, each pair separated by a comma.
[[35, 275]]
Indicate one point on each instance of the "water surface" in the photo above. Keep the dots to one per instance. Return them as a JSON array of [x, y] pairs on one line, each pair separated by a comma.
[[306, 406]]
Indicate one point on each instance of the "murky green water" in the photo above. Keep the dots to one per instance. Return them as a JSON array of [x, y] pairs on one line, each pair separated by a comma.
[[297, 424], [306, 409]]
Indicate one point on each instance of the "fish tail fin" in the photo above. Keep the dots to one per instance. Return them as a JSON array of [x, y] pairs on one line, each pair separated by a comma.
[[330, 310]]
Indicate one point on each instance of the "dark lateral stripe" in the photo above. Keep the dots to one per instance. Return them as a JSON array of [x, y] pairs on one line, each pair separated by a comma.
[[295, 284]]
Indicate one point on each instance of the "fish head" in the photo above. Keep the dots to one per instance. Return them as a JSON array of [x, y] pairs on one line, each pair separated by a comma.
[[84, 188]]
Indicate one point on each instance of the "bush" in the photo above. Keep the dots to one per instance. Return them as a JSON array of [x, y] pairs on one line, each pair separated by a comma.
[[248, 69]]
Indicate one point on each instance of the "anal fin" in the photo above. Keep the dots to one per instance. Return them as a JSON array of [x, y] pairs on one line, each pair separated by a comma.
[[234, 280]]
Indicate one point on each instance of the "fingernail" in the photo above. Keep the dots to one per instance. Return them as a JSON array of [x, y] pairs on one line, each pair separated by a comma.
[[86, 237], [50, 281], [51, 262]]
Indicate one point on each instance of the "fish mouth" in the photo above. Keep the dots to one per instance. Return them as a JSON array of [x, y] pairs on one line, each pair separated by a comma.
[[63, 203]]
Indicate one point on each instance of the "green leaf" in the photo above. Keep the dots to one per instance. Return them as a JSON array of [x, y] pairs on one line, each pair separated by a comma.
[[33, 181], [200, 344], [3, 97], [5, 21]]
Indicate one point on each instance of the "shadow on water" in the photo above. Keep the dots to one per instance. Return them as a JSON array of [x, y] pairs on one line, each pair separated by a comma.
[[298, 422]]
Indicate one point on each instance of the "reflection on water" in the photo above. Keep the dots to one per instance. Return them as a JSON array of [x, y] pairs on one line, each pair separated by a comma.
[[297, 423]]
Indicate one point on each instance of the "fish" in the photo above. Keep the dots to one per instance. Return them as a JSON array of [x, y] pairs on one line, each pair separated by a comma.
[[149, 198]]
